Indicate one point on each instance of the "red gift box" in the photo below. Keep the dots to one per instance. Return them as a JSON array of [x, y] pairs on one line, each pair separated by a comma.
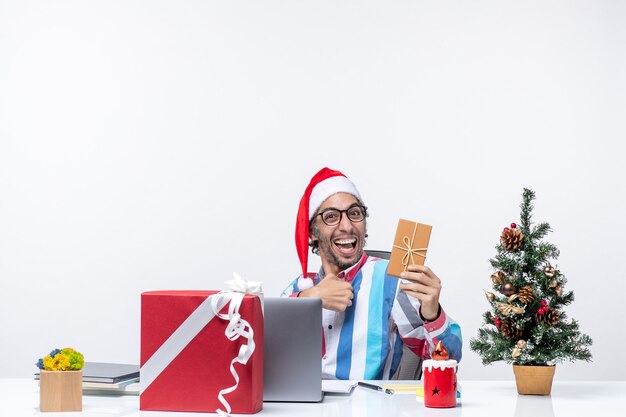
[[186, 356]]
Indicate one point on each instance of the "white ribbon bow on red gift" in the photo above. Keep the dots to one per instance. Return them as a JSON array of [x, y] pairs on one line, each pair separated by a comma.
[[237, 327], [240, 284], [197, 320]]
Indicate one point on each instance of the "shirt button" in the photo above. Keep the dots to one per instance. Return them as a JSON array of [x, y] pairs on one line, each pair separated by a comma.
[[431, 329], [330, 327]]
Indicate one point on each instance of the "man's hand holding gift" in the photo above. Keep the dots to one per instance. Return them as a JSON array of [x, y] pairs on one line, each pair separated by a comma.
[[425, 286]]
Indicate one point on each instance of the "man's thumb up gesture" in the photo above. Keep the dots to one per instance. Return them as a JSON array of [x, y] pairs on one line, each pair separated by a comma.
[[335, 294]]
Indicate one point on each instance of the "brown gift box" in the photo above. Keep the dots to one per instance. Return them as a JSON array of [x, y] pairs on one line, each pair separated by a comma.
[[409, 246]]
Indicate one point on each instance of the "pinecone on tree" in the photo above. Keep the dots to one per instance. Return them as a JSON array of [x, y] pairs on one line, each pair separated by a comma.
[[526, 294], [550, 317], [511, 239], [508, 329]]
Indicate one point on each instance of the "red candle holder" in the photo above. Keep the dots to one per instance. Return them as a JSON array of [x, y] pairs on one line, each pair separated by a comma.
[[439, 383]]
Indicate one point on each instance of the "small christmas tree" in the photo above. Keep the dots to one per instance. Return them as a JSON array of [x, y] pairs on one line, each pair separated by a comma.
[[526, 323]]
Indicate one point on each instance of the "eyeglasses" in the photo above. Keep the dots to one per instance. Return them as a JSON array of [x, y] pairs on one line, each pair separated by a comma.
[[332, 216]]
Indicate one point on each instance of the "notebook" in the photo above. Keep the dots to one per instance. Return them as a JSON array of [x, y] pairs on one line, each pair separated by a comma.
[[293, 350], [109, 372]]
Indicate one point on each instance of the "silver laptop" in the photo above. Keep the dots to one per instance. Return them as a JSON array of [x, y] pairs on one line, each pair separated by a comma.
[[293, 350]]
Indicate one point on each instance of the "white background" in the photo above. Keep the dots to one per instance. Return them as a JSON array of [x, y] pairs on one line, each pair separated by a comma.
[[152, 145]]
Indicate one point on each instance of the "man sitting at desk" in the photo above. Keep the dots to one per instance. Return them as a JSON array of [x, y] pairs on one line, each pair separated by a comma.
[[367, 315]]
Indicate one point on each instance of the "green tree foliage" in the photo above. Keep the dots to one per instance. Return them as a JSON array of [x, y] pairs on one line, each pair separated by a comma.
[[526, 323]]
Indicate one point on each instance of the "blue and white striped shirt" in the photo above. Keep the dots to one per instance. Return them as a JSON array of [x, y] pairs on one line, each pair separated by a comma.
[[365, 341]]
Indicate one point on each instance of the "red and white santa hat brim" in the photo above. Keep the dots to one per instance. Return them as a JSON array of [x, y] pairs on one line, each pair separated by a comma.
[[323, 184]]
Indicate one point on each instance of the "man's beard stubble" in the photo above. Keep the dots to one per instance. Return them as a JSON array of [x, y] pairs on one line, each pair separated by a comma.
[[326, 251]]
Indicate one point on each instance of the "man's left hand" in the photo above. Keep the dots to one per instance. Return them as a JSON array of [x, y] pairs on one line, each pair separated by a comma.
[[425, 286]]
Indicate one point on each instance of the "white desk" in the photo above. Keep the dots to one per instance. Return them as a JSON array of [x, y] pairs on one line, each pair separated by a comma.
[[20, 397]]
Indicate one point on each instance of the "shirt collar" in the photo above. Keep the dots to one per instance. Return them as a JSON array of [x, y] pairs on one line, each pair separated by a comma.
[[349, 274]]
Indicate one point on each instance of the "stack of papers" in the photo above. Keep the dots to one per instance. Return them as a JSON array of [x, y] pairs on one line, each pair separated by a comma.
[[415, 388], [406, 388], [130, 387], [101, 378]]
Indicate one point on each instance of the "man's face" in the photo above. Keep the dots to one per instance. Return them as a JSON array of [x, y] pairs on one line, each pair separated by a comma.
[[341, 245]]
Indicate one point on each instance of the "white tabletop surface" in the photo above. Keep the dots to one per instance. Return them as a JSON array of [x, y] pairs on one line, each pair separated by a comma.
[[20, 397]]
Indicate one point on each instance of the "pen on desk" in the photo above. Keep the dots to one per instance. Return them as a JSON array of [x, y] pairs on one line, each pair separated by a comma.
[[375, 387]]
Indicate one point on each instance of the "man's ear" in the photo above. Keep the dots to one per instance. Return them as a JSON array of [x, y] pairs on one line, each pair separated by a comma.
[[312, 237]]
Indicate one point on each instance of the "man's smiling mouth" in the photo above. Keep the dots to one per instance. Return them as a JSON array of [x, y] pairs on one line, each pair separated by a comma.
[[345, 245]]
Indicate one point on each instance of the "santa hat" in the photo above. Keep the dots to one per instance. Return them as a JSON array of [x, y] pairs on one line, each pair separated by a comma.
[[323, 184]]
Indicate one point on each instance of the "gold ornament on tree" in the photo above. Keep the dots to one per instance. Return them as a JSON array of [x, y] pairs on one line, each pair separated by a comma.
[[519, 346], [549, 271], [517, 310], [497, 277], [511, 238], [508, 289], [554, 284], [506, 309], [490, 296]]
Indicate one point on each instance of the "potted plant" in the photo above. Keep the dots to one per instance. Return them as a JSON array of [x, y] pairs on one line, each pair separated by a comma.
[[61, 381], [526, 324]]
